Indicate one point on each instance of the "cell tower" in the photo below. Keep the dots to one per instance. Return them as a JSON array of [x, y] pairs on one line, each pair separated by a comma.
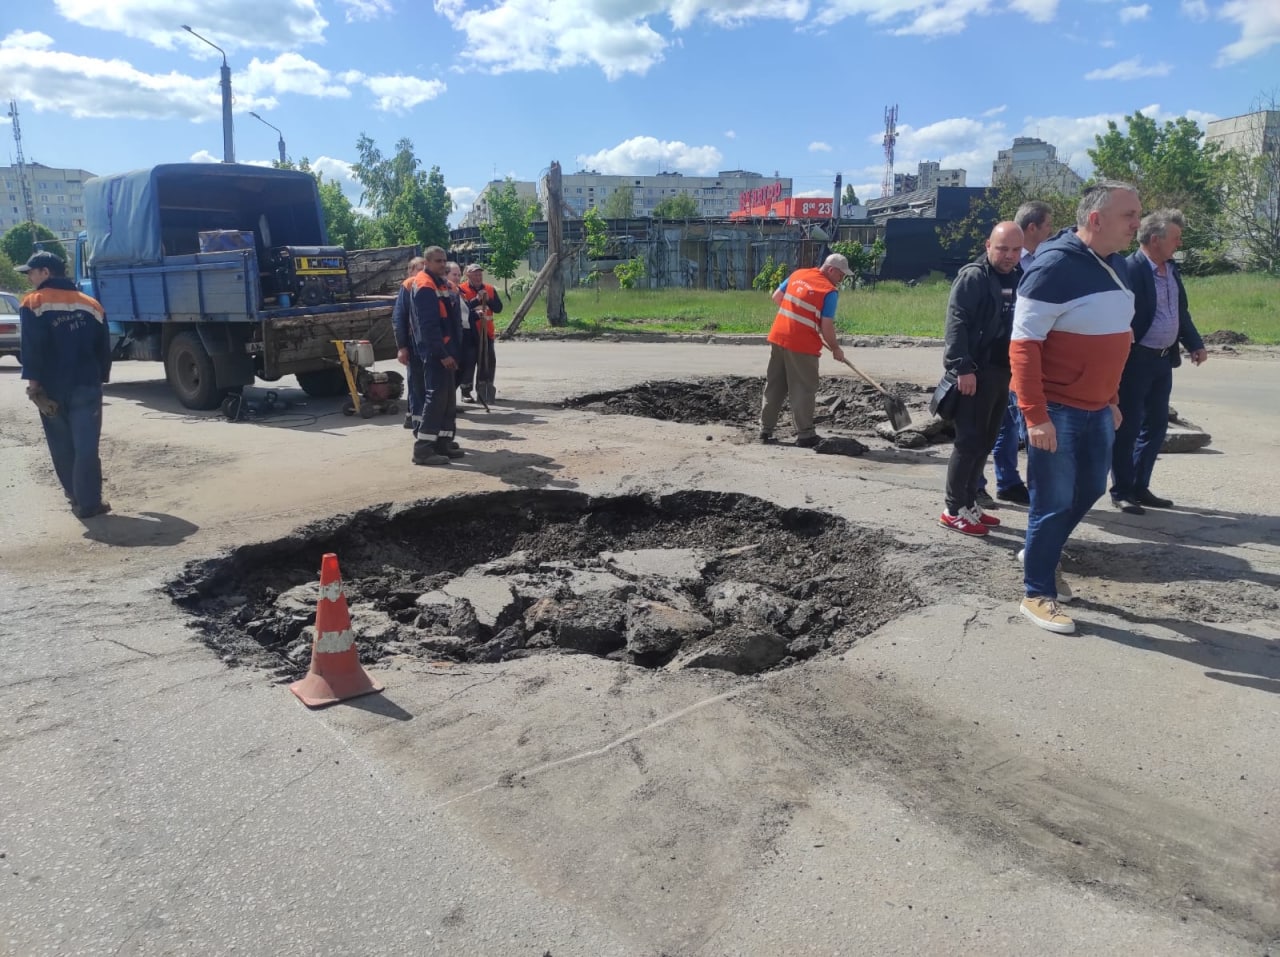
[[22, 164], [890, 138]]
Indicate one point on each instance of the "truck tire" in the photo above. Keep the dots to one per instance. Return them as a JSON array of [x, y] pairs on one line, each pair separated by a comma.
[[323, 383], [189, 370]]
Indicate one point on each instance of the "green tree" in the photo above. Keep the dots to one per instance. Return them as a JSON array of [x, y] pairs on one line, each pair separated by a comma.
[[597, 242], [630, 272], [507, 233], [20, 241], [850, 197], [1172, 166], [10, 279], [620, 204], [345, 227], [862, 260], [1251, 195], [679, 206], [764, 278], [409, 205]]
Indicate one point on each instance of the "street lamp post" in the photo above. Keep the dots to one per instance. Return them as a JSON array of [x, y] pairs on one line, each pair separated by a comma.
[[280, 144], [228, 144]]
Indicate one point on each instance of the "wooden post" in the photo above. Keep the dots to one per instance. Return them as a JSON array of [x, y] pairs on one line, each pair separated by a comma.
[[552, 265], [555, 251]]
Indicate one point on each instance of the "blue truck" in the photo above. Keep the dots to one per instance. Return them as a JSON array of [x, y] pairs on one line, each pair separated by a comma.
[[224, 273]]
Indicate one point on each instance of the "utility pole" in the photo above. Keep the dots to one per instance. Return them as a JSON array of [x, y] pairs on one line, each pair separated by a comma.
[[228, 140], [279, 145], [27, 203]]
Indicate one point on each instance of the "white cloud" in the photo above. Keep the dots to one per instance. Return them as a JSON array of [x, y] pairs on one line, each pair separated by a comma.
[[812, 194], [644, 154], [396, 94], [1130, 14], [366, 9], [231, 24], [80, 86], [1195, 9], [996, 110], [342, 173], [556, 34], [1259, 29], [730, 135], [289, 73], [463, 198], [930, 18], [22, 40], [817, 146], [623, 36], [1131, 69], [204, 156]]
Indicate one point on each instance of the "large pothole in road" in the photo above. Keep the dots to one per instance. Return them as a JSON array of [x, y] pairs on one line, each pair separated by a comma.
[[692, 579], [844, 404]]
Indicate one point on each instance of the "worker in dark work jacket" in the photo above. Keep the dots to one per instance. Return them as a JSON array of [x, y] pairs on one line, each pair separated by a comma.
[[400, 326], [480, 358], [435, 333], [66, 357]]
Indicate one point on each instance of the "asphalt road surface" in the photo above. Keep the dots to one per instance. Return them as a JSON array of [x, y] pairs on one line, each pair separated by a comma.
[[957, 783]]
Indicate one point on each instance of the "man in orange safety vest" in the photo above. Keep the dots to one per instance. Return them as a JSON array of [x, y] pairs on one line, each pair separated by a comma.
[[806, 319]]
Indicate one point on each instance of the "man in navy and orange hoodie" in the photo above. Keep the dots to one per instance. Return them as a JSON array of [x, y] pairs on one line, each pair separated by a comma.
[[66, 357], [1071, 337]]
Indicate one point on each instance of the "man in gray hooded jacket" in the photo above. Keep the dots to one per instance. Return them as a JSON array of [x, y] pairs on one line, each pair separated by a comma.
[[976, 352]]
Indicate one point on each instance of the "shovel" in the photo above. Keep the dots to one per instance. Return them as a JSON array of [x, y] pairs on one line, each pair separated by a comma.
[[894, 407]]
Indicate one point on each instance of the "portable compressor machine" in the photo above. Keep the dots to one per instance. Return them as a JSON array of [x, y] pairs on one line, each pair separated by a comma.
[[371, 393]]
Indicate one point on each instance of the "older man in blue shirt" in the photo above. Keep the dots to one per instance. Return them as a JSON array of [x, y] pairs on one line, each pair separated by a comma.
[[1161, 321]]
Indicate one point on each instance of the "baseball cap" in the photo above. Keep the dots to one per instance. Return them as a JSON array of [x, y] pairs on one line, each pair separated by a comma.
[[474, 267], [45, 260], [837, 261]]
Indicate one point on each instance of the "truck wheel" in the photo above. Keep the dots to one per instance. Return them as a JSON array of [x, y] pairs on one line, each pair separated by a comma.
[[189, 370], [323, 384]]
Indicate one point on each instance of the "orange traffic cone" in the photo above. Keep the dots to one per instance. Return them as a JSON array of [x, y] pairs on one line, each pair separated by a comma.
[[335, 673]]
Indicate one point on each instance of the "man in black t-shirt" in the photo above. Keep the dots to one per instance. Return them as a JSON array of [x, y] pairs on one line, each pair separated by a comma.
[[976, 352]]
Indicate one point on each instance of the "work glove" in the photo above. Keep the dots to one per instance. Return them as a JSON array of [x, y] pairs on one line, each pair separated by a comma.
[[47, 406]]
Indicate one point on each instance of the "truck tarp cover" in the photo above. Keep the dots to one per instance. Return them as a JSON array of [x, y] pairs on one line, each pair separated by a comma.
[[141, 216]]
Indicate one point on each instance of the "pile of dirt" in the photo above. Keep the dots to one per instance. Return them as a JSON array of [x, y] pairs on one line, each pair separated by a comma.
[[694, 579], [844, 404], [1226, 337]]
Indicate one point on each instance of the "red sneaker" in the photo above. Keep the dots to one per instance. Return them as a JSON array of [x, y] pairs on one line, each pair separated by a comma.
[[962, 523], [977, 514]]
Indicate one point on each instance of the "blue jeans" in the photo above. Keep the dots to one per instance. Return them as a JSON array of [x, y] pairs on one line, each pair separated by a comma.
[[1064, 485], [72, 436], [1004, 456], [1144, 405]]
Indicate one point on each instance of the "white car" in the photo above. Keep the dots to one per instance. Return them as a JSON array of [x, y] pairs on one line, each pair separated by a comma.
[[10, 326]]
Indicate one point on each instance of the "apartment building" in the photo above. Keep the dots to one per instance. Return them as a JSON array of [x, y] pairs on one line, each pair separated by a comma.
[[57, 198], [1034, 162], [480, 211]]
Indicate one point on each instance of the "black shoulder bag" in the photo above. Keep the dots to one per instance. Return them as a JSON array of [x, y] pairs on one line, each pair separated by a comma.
[[945, 397]]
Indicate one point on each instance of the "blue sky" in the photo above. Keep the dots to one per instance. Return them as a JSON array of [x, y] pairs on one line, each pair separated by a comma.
[[503, 87]]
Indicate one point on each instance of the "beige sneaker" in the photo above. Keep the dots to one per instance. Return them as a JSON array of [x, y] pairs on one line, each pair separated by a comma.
[[1065, 594], [1045, 613], [1064, 590]]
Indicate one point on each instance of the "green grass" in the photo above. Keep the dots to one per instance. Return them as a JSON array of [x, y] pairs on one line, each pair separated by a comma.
[[1241, 303]]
